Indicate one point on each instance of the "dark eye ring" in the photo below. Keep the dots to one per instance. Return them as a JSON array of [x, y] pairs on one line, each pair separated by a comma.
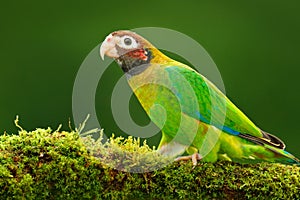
[[127, 41]]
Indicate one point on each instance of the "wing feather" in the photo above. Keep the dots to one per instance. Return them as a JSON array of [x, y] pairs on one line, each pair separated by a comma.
[[214, 107]]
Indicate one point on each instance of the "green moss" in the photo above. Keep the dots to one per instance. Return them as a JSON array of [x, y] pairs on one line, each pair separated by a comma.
[[45, 164]]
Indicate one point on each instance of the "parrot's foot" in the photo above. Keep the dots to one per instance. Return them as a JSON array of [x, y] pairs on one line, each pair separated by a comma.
[[195, 157]]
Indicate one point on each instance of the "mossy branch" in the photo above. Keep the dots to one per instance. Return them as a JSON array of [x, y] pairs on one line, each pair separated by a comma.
[[46, 164]]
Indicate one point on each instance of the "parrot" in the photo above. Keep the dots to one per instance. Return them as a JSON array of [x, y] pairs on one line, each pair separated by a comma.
[[197, 121]]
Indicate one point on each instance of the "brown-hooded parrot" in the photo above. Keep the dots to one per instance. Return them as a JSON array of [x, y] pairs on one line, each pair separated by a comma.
[[193, 114]]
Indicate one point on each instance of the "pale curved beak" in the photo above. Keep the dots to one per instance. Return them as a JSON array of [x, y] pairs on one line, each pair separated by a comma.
[[108, 47]]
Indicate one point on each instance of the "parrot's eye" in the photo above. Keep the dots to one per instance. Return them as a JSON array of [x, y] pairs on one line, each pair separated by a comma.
[[128, 42]]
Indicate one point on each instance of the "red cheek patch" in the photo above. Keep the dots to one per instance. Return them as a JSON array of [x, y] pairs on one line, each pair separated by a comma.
[[139, 53]]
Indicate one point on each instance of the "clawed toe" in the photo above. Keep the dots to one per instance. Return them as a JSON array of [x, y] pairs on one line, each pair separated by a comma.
[[195, 157]]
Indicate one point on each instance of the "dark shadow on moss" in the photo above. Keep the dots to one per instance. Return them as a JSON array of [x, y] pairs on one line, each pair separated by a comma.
[[43, 164]]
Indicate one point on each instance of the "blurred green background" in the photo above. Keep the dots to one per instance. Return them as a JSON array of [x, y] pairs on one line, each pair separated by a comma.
[[255, 45]]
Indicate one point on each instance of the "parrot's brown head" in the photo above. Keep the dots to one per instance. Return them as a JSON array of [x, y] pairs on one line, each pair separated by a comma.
[[131, 51]]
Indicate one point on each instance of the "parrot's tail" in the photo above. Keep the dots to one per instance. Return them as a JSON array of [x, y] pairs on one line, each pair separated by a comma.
[[275, 145], [283, 156]]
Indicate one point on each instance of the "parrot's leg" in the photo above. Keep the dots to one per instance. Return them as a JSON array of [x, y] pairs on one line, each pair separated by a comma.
[[171, 149], [195, 157]]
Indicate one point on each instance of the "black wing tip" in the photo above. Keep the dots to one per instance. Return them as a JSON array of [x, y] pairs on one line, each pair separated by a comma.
[[267, 138], [274, 140]]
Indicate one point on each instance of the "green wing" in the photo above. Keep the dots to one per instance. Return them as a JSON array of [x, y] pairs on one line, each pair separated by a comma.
[[214, 107]]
